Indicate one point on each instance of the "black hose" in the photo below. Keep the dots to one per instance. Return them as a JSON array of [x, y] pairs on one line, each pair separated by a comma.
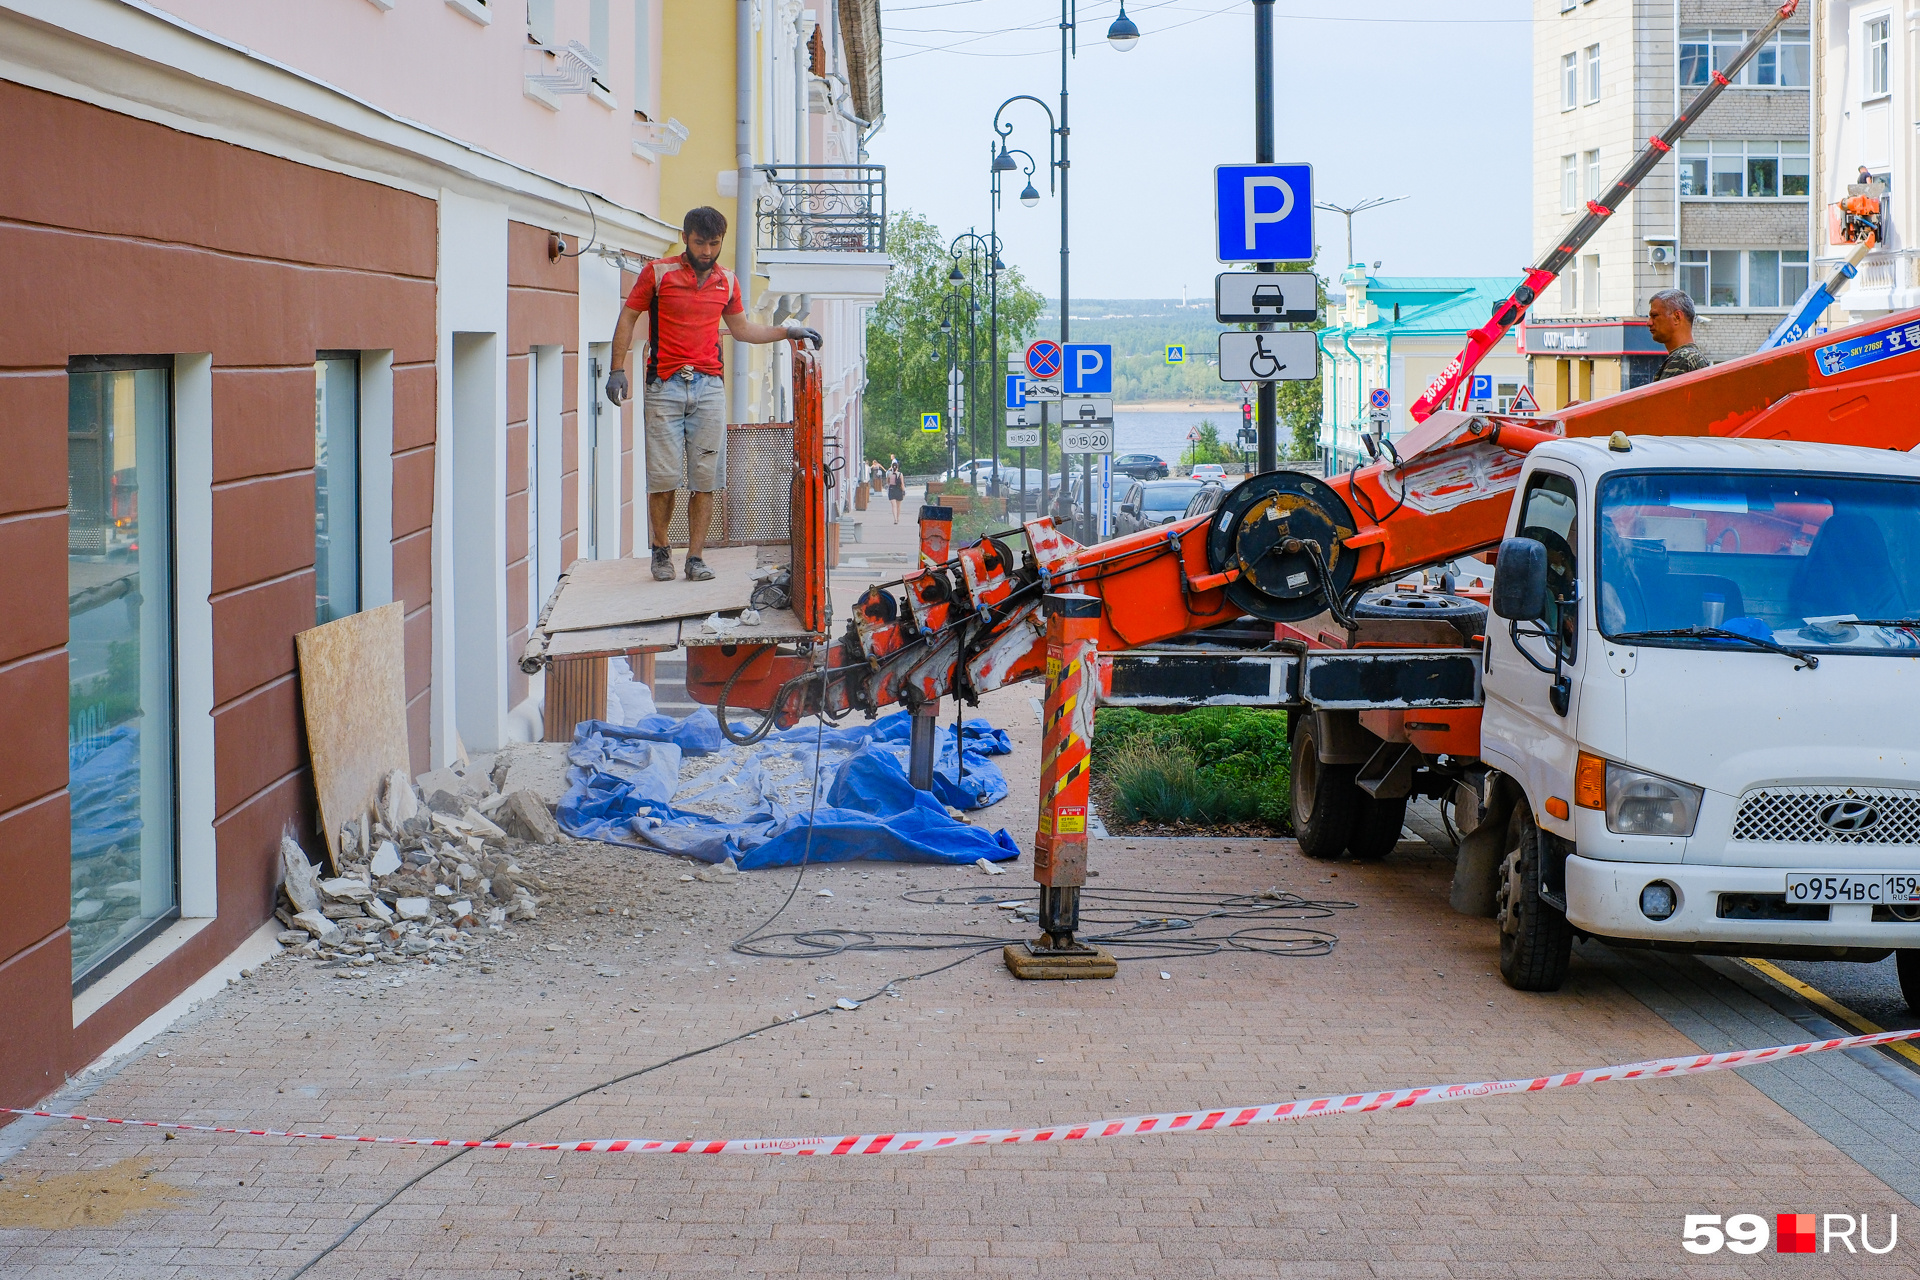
[[720, 707]]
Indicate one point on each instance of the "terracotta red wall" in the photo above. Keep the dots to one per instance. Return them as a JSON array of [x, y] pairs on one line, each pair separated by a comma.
[[543, 310], [192, 246]]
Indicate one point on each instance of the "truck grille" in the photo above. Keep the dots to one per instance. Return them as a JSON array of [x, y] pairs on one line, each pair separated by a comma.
[[1829, 815]]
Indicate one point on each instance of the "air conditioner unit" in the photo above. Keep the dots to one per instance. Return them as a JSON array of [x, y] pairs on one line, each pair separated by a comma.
[[1660, 255]]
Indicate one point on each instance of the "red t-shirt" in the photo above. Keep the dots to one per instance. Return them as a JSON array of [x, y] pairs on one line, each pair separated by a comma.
[[686, 323]]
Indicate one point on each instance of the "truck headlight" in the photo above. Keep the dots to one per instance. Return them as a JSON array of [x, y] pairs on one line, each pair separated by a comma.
[[1645, 804]]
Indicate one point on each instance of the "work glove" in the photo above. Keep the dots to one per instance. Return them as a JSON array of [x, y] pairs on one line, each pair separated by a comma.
[[617, 389], [799, 332]]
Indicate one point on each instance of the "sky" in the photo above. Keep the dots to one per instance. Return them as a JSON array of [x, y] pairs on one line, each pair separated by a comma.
[[1410, 98]]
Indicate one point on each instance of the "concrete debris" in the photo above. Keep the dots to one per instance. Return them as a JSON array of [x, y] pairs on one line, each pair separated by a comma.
[[716, 625], [539, 767], [399, 805], [302, 881], [718, 873], [318, 925], [428, 882], [989, 868], [478, 824], [525, 815], [386, 859]]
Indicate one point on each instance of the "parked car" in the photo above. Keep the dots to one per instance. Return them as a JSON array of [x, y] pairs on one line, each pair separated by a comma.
[[1006, 483], [965, 470], [1150, 502], [1209, 471], [1141, 466], [1205, 499]]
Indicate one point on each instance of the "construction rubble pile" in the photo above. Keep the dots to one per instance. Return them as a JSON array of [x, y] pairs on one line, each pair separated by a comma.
[[423, 879]]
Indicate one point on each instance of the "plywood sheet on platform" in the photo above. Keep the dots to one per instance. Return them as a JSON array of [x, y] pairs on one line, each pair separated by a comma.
[[618, 593], [353, 688], [605, 642], [776, 626]]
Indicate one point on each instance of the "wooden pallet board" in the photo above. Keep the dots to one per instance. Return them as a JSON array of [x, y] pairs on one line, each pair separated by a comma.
[[619, 593]]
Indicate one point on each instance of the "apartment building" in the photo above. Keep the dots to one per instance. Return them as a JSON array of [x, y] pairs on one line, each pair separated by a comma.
[[306, 311], [1867, 102], [1729, 217], [1396, 333]]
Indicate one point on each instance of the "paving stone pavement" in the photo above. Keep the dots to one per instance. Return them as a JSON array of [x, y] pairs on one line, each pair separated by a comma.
[[1588, 1182]]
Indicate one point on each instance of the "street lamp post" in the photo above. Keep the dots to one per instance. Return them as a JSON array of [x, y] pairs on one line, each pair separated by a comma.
[[1123, 34], [978, 250], [1003, 162], [1349, 210]]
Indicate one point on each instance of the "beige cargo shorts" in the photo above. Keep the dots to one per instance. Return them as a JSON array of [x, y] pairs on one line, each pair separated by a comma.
[[687, 433]]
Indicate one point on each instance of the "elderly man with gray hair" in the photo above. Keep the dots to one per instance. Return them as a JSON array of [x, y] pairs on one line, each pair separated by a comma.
[[1670, 316]]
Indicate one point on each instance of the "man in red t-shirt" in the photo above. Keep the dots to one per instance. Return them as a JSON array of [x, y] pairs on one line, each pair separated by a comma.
[[685, 299]]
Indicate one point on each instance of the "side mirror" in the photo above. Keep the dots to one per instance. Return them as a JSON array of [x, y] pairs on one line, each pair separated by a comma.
[[1520, 580]]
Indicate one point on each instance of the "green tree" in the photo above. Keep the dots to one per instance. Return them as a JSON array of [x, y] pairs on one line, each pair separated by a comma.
[[907, 354]]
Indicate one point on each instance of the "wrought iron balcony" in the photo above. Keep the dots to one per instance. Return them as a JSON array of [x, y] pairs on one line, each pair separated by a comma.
[[822, 208]]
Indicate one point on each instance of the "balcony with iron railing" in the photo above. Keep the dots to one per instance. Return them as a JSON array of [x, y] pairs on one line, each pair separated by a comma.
[[821, 229], [836, 208]]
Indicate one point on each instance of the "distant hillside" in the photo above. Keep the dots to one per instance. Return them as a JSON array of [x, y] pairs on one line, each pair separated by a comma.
[[1140, 330]]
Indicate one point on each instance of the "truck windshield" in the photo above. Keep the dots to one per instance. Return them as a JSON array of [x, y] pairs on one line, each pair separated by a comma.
[[1810, 561]]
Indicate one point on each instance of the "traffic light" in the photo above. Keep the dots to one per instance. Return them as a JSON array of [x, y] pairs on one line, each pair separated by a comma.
[[1246, 413]]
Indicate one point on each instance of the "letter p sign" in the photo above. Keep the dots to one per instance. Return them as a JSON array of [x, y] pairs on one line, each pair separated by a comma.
[[1263, 212]]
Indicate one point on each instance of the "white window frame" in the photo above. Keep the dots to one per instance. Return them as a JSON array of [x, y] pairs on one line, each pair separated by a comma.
[[1590, 283], [1721, 42], [1593, 73], [1569, 81], [1876, 63], [1746, 149], [1590, 161], [1569, 182], [1701, 260]]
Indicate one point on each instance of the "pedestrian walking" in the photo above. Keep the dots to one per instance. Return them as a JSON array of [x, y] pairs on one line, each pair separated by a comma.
[[685, 300], [896, 489]]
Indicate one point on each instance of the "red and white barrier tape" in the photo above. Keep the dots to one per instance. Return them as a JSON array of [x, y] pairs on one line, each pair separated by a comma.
[[871, 1144]]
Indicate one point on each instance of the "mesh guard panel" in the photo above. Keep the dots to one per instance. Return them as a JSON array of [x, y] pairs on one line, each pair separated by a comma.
[[756, 509]]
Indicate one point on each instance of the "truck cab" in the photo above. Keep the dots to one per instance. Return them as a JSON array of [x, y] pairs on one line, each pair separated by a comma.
[[1698, 688]]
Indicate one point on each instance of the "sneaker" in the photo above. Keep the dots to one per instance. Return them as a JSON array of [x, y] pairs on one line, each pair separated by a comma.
[[662, 564], [697, 570]]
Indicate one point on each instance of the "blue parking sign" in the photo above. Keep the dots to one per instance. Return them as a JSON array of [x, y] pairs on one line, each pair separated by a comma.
[[1263, 212], [1089, 369], [1481, 388]]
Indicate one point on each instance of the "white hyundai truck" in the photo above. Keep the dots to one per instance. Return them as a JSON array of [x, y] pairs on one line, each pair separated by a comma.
[[1699, 687]]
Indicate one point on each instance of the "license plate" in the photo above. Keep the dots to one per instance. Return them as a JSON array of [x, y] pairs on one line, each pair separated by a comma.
[[1821, 886]]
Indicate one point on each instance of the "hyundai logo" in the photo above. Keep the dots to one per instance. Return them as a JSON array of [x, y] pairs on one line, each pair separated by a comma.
[[1848, 817]]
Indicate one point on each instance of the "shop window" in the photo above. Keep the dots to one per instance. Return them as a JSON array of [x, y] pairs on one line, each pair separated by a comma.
[[336, 485], [120, 658]]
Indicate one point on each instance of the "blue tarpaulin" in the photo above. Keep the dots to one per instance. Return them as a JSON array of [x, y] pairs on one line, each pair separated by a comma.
[[626, 786]]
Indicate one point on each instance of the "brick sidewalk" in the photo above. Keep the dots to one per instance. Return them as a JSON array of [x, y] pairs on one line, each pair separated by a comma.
[[1581, 1182]]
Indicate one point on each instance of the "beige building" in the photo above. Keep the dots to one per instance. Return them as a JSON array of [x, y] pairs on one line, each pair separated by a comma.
[[1729, 217]]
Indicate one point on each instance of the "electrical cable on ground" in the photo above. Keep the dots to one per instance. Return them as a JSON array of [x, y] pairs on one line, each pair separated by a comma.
[[1138, 924]]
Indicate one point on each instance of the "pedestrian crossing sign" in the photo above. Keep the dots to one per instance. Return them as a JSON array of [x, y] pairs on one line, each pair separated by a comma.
[[1176, 353], [929, 422]]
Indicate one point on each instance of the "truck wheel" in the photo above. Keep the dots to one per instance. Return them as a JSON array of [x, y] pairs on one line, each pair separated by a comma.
[[1376, 827], [1324, 796], [1535, 938], [1908, 965]]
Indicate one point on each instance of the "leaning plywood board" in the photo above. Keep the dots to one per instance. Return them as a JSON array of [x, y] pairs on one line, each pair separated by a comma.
[[618, 593], [353, 688]]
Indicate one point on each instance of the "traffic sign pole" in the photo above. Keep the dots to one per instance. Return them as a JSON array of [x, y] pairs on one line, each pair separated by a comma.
[[1266, 415]]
